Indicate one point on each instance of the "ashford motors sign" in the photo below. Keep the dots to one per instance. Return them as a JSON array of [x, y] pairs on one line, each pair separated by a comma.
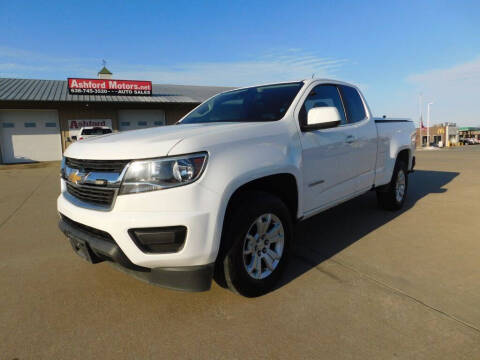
[[109, 87], [74, 126], [78, 124]]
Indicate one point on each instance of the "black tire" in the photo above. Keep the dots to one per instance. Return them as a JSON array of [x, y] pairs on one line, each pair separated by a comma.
[[240, 219], [387, 196]]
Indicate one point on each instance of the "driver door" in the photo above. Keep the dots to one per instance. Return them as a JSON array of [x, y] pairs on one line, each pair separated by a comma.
[[327, 154]]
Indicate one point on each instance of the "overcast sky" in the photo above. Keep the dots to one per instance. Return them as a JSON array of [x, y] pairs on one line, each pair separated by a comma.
[[392, 50]]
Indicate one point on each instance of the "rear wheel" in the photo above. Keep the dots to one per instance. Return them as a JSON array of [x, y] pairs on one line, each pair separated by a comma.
[[392, 197], [256, 235]]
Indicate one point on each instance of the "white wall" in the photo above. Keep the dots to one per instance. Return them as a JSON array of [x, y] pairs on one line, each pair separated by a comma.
[[29, 135], [140, 119]]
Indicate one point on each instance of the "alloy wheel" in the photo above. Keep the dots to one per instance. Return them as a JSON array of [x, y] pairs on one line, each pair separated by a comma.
[[263, 246], [400, 186]]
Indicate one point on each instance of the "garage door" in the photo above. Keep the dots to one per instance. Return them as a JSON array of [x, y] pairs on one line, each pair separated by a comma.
[[140, 119], [29, 135]]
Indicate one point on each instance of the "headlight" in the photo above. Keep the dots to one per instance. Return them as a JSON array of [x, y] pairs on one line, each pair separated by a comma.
[[163, 173]]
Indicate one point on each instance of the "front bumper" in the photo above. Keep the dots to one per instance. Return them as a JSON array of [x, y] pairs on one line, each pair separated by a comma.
[[96, 246], [194, 207]]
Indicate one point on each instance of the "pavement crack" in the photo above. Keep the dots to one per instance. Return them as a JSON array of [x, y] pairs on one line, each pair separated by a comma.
[[17, 209], [389, 287], [404, 294], [306, 260]]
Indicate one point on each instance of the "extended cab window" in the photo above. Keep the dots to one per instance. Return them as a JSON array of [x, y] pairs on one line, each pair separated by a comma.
[[353, 104], [261, 103]]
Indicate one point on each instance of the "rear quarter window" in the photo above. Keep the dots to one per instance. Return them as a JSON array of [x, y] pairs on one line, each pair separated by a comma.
[[353, 104]]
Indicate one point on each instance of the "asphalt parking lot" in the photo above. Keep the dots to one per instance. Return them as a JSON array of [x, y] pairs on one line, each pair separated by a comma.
[[363, 283]]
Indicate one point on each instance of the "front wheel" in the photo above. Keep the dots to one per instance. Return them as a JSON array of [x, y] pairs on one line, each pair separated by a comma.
[[258, 234], [392, 197]]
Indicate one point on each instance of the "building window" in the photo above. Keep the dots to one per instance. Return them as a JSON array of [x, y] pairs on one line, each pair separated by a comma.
[[6, 125], [158, 123], [124, 123], [30, 125], [51, 124], [142, 123]]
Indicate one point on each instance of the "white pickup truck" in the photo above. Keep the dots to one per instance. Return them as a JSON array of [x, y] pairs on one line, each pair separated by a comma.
[[217, 194]]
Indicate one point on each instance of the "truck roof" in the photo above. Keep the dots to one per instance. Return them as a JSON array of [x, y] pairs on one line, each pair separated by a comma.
[[305, 81]]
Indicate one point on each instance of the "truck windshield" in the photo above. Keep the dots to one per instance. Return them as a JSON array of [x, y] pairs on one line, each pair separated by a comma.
[[262, 103]]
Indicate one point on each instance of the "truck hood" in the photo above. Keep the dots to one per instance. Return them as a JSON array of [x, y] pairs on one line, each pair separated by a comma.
[[144, 143]]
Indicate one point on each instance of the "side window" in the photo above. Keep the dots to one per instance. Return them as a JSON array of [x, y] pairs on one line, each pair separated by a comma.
[[322, 95], [353, 104]]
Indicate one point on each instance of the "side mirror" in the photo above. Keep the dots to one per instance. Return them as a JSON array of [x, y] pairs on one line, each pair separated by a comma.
[[322, 118], [74, 137]]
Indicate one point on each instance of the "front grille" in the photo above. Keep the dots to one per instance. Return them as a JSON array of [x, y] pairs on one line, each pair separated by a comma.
[[115, 166], [91, 194], [88, 230]]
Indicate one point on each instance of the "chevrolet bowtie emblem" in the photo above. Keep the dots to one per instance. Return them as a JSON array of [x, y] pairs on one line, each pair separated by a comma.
[[74, 177]]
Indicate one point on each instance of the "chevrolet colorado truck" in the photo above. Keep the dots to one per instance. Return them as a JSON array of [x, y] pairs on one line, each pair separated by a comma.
[[216, 196]]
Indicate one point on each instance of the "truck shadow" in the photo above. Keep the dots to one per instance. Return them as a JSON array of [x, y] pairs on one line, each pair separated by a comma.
[[324, 235]]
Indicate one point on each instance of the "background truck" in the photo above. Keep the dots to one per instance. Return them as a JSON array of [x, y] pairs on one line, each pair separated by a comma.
[[218, 194], [87, 132]]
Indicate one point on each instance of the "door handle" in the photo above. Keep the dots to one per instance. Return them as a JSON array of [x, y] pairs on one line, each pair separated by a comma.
[[350, 139]]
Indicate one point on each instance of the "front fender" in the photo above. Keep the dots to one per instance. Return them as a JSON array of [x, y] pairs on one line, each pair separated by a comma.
[[238, 157], [227, 182]]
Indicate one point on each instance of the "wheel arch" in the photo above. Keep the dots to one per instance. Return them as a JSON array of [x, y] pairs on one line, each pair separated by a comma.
[[282, 185], [404, 155]]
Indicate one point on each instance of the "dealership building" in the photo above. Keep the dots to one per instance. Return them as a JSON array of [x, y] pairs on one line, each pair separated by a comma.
[[39, 117]]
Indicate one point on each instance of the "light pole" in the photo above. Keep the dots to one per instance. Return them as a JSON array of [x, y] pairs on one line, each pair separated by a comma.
[[428, 123], [420, 126]]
